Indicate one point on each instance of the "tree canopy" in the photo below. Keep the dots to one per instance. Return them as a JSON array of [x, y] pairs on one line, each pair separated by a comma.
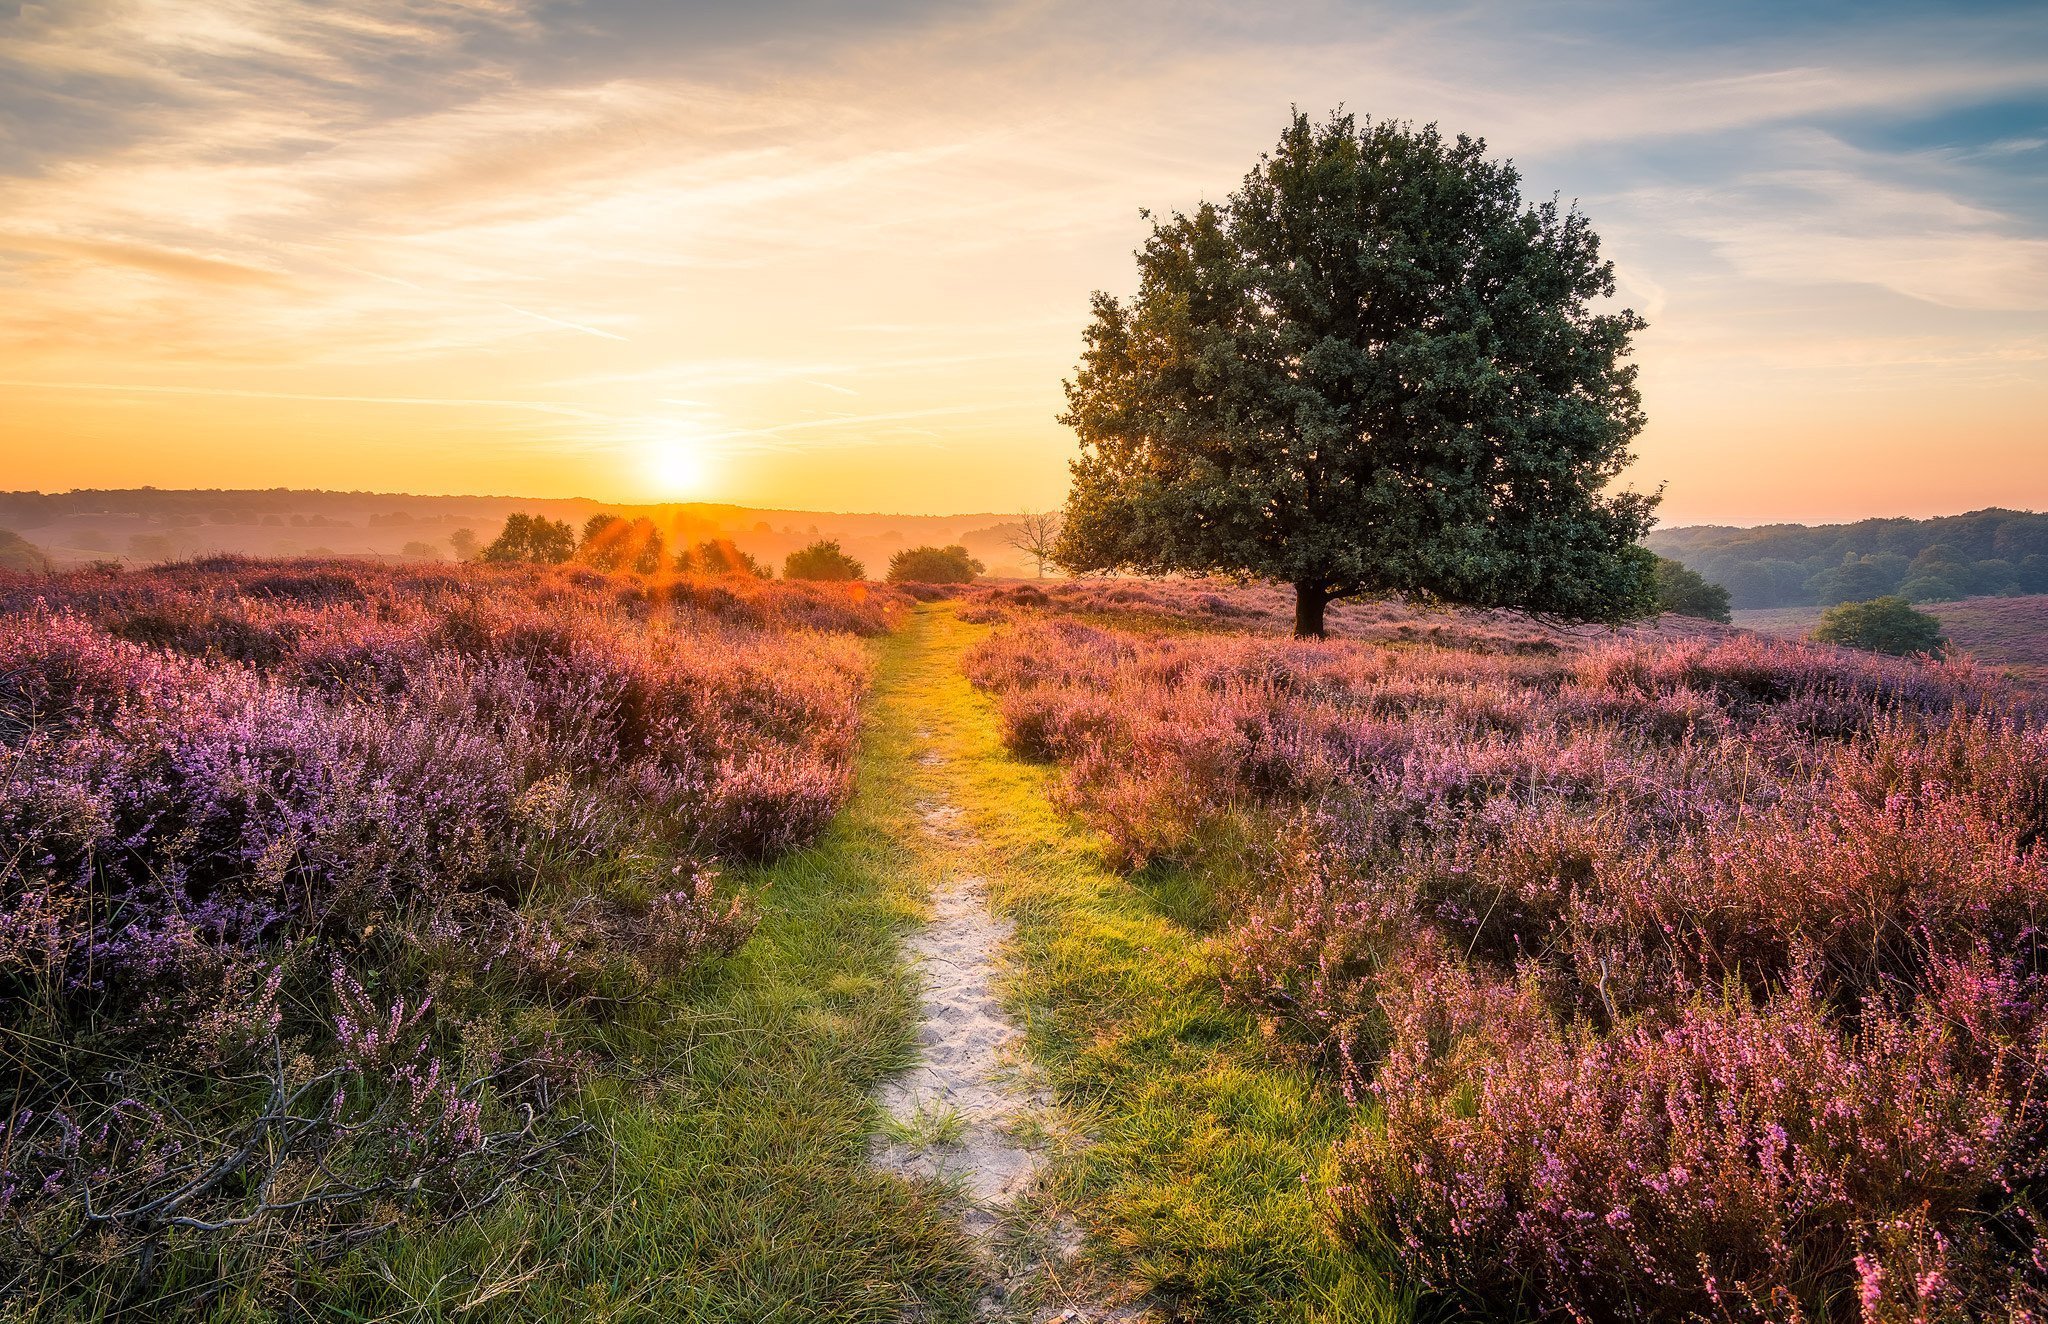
[[1883, 625], [532, 538], [934, 565], [1371, 370]]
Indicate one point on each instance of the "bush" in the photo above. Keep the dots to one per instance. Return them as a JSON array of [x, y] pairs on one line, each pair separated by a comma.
[[18, 553], [1684, 592], [822, 560], [1882, 625], [934, 565]]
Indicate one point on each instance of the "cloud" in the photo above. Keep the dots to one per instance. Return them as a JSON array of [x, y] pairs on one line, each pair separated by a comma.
[[637, 202], [166, 262]]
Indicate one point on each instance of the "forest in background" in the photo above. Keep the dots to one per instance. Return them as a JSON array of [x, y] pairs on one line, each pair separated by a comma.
[[147, 525], [1984, 553]]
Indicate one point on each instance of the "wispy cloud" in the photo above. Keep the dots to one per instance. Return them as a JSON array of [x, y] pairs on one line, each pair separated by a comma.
[[664, 215]]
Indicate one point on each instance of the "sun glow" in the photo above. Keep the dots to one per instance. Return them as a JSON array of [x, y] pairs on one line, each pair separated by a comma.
[[678, 467]]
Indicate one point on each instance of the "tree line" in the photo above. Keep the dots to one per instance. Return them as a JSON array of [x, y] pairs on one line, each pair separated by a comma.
[[1991, 552]]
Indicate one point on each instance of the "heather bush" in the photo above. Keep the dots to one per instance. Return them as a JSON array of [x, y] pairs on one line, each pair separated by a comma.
[[1675, 974], [309, 865]]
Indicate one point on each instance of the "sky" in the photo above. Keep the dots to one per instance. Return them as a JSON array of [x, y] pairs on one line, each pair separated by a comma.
[[838, 255]]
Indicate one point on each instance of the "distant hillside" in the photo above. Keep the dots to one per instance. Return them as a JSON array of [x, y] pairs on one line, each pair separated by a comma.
[[2010, 633], [151, 524], [1986, 552]]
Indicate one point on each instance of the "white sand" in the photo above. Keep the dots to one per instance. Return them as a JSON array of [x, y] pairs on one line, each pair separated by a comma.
[[968, 1067], [968, 1113]]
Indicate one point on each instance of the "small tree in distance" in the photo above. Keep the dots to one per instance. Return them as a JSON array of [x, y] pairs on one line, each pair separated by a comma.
[[1037, 536], [1372, 370], [1883, 625], [934, 565], [464, 544], [1683, 591], [822, 560], [534, 538]]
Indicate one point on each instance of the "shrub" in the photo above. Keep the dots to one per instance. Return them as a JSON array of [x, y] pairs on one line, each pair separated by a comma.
[[822, 560], [1685, 592], [934, 565], [18, 553], [1882, 625]]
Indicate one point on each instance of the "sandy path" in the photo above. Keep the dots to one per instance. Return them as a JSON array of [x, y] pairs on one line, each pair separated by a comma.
[[967, 1114]]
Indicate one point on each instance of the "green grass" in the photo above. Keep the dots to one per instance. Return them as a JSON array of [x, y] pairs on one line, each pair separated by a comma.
[[1196, 1180]]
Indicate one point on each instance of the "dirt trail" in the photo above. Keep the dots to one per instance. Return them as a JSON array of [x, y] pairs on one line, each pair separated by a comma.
[[969, 1114], [965, 1112]]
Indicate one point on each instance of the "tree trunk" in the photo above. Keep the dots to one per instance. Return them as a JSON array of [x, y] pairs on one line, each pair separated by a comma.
[[1309, 601]]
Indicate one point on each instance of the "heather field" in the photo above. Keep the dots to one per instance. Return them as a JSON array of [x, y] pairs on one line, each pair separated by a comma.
[[328, 889], [1663, 976], [515, 942]]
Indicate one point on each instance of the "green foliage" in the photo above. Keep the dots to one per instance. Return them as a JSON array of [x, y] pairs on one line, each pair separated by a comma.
[[1684, 592], [934, 565], [532, 538], [1883, 625], [1982, 553], [1370, 370], [18, 553], [822, 560]]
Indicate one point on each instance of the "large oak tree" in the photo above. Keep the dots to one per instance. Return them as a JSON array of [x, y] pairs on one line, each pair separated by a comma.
[[1371, 370]]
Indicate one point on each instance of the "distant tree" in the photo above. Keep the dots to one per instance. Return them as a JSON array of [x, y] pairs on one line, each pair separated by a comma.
[[1037, 535], [464, 543], [424, 551], [822, 560], [1882, 625], [611, 542], [1371, 370], [934, 565], [718, 556], [602, 543], [18, 553], [534, 538], [1684, 592]]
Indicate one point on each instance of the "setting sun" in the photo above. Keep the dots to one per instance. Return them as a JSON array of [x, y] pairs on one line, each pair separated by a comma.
[[678, 467]]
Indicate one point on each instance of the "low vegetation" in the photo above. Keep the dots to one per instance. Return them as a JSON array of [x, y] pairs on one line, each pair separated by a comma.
[[1882, 625], [1684, 592], [822, 560], [934, 565], [324, 881], [1668, 976]]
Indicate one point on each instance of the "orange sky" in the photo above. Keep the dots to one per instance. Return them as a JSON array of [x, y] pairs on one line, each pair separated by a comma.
[[782, 256]]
